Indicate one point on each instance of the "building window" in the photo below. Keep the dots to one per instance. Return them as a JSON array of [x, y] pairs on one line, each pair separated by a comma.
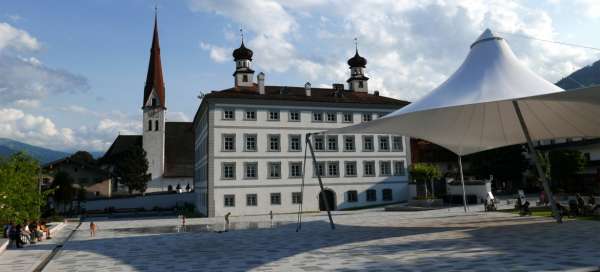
[[295, 143], [399, 169], [386, 194], [149, 125], [350, 169], [397, 144], [319, 169], [296, 198], [333, 169], [228, 142], [295, 169], [319, 143], [294, 116], [275, 198], [366, 117], [348, 117], [250, 170], [250, 115], [368, 143], [332, 144], [384, 143], [251, 200], [371, 195], [349, 143], [274, 169], [273, 115], [228, 170], [245, 78], [274, 142], [250, 142], [360, 84], [332, 117], [153, 102], [229, 200], [317, 117], [369, 167], [352, 196], [228, 114], [156, 125], [385, 168]]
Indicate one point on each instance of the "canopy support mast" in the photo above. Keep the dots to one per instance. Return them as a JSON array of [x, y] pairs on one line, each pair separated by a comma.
[[534, 155], [322, 194], [462, 181]]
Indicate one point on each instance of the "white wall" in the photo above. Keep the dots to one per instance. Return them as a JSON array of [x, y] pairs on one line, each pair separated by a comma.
[[147, 202], [264, 185]]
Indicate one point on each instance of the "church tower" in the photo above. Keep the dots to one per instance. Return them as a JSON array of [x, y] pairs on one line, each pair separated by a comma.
[[357, 81], [154, 108], [243, 73]]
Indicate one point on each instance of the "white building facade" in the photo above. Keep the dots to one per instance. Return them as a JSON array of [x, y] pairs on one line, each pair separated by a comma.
[[250, 144]]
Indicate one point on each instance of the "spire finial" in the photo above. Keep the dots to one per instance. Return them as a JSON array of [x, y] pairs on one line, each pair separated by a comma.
[[356, 43], [242, 33]]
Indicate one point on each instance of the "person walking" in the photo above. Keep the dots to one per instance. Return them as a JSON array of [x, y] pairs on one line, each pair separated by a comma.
[[93, 228], [227, 221]]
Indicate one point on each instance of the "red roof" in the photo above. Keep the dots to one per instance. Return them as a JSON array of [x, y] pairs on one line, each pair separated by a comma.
[[154, 79]]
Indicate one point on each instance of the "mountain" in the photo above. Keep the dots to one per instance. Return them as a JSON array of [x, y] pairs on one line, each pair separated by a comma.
[[44, 155], [586, 76]]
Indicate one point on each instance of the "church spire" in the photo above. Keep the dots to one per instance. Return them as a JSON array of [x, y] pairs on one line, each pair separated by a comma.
[[154, 78]]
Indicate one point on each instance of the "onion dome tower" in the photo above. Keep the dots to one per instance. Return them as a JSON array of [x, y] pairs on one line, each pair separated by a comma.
[[357, 81], [243, 59]]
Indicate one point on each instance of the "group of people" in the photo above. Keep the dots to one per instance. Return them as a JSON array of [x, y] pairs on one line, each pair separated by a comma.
[[178, 189], [22, 234]]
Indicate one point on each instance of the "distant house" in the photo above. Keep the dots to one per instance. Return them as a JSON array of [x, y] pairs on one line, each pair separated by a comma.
[[96, 181]]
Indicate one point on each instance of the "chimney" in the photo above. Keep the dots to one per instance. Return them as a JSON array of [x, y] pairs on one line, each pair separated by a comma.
[[307, 88], [376, 93], [261, 83]]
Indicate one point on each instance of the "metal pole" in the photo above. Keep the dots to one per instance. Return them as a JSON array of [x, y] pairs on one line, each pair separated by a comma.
[[533, 154], [312, 153], [462, 181], [299, 226]]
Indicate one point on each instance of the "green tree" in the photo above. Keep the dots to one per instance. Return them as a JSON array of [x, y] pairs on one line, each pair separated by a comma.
[[132, 167], [564, 164], [83, 157], [506, 164], [64, 192], [424, 174], [20, 196]]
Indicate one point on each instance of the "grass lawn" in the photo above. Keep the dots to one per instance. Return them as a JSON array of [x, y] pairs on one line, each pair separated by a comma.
[[547, 212]]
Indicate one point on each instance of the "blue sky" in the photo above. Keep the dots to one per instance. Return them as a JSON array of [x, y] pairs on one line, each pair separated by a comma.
[[72, 72]]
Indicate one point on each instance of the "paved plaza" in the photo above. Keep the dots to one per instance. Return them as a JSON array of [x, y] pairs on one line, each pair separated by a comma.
[[368, 240]]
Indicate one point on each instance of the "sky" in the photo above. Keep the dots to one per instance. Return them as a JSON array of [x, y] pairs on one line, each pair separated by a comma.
[[72, 72]]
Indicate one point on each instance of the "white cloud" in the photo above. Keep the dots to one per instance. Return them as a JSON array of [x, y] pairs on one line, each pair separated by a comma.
[[177, 116], [13, 38], [411, 46], [27, 103], [590, 8], [216, 53]]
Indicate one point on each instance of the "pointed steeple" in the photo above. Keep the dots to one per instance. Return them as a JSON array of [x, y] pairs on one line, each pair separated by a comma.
[[154, 78]]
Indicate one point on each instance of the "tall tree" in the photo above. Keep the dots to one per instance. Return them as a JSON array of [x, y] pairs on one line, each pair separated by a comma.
[[20, 196], [64, 192], [425, 174], [132, 167], [564, 165], [83, 157]]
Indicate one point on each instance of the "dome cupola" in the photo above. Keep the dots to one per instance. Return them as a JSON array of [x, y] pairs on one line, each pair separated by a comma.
[[242, 53], [357, 61]]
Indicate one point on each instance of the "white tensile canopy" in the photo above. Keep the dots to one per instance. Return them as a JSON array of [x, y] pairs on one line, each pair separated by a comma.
[[491, 101]]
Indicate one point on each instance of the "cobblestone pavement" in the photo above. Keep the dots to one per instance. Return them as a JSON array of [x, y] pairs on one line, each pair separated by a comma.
[[29, 257], [373, 240]]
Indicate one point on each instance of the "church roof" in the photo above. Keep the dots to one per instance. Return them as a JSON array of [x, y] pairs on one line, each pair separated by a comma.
[[242, 53], [154, 78], [325, 95], [179, 149], [357, 61]]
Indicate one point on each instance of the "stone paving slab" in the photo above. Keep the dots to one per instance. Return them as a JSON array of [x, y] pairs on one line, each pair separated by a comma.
[[372, 240], [29, 257]]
